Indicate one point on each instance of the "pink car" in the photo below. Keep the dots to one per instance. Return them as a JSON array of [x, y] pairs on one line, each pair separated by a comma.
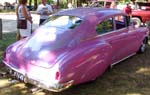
[[74, 46]]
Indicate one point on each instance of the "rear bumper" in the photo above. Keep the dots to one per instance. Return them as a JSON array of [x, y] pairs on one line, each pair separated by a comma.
[[55, 87]]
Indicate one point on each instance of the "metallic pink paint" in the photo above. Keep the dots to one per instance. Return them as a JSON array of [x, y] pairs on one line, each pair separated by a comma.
[[78, 55]]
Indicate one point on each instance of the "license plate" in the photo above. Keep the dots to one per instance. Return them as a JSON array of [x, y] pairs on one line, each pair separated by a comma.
[[18, 75]]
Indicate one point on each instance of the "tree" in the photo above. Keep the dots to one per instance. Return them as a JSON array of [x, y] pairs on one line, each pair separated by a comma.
[[35, 4], [57, 4], [30, 2]]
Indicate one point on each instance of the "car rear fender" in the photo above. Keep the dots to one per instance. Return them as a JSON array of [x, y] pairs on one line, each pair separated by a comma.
[[86, 63]]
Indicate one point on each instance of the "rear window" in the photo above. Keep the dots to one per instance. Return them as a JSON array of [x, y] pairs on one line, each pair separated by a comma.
[[65, 22]]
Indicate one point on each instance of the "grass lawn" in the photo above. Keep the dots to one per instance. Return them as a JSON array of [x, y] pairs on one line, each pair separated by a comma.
[[130, 77], [8, 38]]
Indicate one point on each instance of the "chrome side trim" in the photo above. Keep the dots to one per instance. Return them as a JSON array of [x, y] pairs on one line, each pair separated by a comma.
[[121, 60]]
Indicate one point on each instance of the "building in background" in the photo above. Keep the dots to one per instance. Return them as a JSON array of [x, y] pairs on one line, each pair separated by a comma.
[[9, 1], [8, 4]]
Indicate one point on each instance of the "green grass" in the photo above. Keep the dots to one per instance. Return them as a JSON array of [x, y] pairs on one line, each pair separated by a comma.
[[5, 11], [6, 40], [130, 77]]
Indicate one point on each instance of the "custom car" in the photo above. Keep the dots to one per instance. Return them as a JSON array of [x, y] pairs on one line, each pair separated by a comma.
[[74, 46]]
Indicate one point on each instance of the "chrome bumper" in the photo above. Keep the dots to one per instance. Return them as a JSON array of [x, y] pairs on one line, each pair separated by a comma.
[[55, 88], [24, 78]]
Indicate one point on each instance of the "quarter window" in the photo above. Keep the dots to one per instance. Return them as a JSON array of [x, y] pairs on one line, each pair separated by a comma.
[[120, 22]]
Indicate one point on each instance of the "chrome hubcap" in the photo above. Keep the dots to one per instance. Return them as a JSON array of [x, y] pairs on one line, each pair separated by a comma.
[[143, 47]]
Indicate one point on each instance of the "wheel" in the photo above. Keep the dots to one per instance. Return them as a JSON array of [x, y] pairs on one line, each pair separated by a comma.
[[137, 21], [142, 47]]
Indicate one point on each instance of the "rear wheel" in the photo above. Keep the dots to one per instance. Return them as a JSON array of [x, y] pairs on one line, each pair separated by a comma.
[[137, 21], [143, 46]]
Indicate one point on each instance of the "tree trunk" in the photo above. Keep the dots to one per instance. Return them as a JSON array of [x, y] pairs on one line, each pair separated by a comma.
[[1, 29], [30, 2], [35, 4], [78, 3], [57, 4]]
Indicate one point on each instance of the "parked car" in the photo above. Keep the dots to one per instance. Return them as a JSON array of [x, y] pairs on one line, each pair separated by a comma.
[[74, 46], [141, 12], [101, 3], [31, 8]]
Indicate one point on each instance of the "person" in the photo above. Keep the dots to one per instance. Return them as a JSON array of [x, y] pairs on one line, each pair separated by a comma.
[[70, 5], [23, 13], [128, 11], [113, 5], [44, 10]]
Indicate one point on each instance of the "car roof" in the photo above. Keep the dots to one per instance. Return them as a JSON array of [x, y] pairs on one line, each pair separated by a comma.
[[84, 12]]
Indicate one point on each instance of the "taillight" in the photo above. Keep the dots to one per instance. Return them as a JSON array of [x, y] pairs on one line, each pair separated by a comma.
[[57, 75]]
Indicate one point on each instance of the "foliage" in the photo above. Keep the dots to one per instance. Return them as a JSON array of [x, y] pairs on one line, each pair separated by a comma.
[[63, 4], [50, 1], [39, 1], [124, 1]]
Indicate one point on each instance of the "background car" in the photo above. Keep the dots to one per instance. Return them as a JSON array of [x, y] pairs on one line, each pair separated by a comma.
[[74, 46], [101, 3], [141, 12]]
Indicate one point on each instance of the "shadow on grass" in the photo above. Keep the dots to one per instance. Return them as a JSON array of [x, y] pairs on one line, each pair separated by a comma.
[[14, 89]]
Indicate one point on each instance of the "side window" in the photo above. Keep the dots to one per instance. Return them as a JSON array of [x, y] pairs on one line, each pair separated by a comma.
[[120, 22], [105, 26]]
